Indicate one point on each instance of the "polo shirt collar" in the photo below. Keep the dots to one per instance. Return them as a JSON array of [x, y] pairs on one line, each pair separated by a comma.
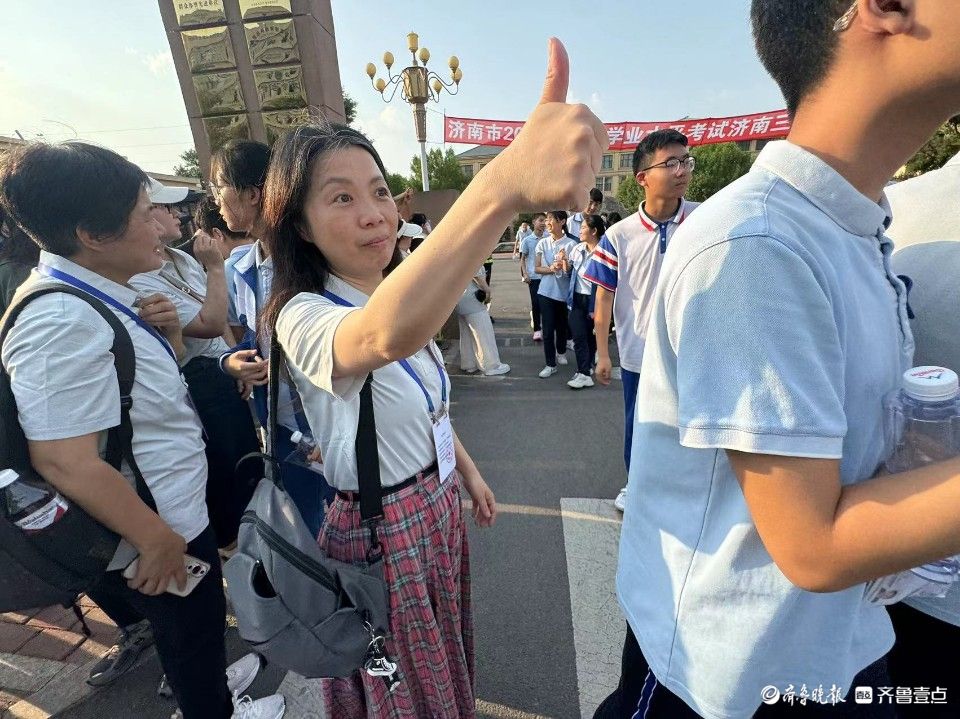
[[651, 224], [124, 294], [826, 188], [259, 258]]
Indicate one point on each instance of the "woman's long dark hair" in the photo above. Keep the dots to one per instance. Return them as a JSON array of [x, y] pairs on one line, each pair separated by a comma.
[[298, 265]]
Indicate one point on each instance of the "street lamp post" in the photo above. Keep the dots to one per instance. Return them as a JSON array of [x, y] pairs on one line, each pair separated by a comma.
[[417, 85]]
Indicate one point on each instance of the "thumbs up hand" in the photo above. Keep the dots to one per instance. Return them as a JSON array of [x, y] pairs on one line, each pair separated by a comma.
[[553, 162]]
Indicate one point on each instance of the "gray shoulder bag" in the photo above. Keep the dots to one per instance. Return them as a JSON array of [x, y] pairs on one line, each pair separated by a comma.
[[297, 607]]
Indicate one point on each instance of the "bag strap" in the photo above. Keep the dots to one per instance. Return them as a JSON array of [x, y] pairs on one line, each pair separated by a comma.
[[368, 456], [271, 468], [119, 438], [366, 447]]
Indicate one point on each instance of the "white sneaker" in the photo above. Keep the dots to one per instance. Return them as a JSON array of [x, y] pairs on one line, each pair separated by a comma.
[[621, 501], [562, 360], [241, 673], [271, 707], [469, 371], [580, 381], [547, 371], [502, 368], [570, 345]]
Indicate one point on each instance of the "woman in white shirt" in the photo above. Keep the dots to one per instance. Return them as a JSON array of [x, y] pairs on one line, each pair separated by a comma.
[[552, 251], [343, 308], [478, 343], [581, 296]]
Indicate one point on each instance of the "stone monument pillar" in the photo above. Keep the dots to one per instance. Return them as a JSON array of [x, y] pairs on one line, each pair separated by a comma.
[[252, 68]]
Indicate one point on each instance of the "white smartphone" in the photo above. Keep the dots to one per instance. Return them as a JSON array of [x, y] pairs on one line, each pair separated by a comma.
[[196, 570]]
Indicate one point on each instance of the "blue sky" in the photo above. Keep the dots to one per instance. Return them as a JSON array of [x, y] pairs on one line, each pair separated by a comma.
[[103, 67]]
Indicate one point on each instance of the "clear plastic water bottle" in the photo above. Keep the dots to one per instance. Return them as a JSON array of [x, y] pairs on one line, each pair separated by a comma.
[[305, 446], [32, 506], [922, 427], [923, 419]]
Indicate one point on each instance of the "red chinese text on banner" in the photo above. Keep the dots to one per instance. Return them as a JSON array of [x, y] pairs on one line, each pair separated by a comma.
[[627, 135]]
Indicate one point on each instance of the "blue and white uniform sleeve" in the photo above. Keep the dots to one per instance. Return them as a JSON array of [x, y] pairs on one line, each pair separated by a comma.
[[603, 268]]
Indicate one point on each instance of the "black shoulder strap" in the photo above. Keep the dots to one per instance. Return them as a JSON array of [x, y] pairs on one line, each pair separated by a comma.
[[273, 400], [119, 438], [368, 455]]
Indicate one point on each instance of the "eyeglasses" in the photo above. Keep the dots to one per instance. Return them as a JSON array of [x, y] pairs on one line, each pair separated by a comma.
[[675, 164], [846, 20], [216, 190]]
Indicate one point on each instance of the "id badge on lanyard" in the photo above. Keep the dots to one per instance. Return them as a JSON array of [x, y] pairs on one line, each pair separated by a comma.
[[443, 441]]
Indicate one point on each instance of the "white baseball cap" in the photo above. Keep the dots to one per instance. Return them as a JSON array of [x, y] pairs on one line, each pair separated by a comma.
[[410, 230], [163, 195]]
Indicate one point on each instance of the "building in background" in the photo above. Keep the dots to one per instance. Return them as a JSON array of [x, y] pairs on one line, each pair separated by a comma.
[[615, 167]]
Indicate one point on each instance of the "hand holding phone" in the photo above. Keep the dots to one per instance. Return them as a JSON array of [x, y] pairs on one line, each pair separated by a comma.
[[196, 570]]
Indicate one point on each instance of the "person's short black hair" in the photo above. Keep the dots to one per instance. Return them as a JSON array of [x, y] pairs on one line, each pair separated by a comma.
[[418, 218], [52, 191], [207, 217], [796, 42], [613, 218], [596, 195], [559, 215], [242, 163], [538, 214], [655, 141]]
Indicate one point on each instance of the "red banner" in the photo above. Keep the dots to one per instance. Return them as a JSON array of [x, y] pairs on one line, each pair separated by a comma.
[[627, 135]]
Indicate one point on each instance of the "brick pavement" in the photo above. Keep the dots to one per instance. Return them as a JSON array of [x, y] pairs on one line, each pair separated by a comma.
[[41, 645]]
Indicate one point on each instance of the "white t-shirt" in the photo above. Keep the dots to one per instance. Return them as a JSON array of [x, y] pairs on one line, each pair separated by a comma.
[[926, 208], [63, 377], [184, 281], [627, 261], [305, 329]]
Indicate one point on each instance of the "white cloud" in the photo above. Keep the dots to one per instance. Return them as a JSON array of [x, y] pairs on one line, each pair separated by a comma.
[[158, 63], [595, 102], [393, 134]]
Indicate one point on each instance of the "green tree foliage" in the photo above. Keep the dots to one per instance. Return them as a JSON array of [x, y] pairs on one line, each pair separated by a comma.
[[349, 108], [190, 166], [717, 166], [397, 183], [630, 194], [940, 148], [445, 172]]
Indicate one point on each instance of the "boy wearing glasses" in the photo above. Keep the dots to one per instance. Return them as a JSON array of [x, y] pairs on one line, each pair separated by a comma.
[[626, 264], [756, 518]]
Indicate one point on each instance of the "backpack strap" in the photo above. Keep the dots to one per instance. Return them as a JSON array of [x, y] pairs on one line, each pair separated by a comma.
[[119, 438]]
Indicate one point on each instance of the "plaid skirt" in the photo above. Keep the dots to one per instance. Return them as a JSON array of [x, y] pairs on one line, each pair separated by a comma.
[[427, 570]]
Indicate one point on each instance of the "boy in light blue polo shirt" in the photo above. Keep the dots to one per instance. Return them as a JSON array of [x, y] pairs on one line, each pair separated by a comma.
[[754, 520]]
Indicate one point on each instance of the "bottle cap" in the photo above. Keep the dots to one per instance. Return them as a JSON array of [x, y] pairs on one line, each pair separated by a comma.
[[8, 477], [296, 437], [931, 384]]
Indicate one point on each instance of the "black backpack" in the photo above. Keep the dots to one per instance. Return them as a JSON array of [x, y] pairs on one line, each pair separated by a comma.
[[56, 564]]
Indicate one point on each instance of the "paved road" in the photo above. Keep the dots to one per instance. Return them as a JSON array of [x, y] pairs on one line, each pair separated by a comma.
[[536, 442]]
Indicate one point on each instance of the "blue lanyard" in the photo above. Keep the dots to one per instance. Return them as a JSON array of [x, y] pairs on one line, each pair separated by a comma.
[[107, 299], [403, 363]]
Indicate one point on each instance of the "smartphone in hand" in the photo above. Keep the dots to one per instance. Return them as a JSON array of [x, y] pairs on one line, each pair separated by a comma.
[[197, 569]]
